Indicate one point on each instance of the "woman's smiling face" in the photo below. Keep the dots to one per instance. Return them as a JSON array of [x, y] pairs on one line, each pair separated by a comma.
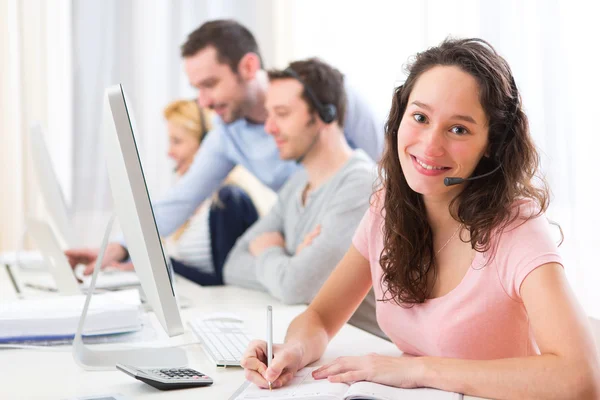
[[443, 132]]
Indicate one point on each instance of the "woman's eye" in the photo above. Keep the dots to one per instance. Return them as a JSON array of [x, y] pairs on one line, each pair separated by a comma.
[[420, 118], [459, 130]]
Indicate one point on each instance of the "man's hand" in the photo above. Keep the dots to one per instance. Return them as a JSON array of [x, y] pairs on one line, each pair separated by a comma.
[[308, 239], [265, 241], [114, 254], [123, 266]]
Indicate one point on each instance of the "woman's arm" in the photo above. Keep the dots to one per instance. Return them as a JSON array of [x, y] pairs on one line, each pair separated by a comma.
[[566, 369], [568, 366], [335, 303], [310, 332]]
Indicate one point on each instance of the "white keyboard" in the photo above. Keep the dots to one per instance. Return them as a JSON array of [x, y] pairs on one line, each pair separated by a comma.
[[224, 338]]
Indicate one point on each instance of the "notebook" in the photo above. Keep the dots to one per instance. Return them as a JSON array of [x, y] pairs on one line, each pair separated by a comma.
[[304, 387], [57, 317]]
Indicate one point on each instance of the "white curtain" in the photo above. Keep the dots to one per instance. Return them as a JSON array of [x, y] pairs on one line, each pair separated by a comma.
[[57, 58], [551, 46], [36, 86]]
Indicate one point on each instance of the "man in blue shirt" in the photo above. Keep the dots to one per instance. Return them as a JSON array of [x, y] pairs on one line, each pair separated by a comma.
[[223, 62]]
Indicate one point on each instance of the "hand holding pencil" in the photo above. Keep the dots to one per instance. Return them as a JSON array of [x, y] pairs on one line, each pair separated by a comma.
[[269, 365]]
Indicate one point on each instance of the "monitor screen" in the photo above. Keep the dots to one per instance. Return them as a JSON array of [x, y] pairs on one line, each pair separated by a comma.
[[134, 210]]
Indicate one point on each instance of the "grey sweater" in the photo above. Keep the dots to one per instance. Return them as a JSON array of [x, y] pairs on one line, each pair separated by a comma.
[[338, 206]]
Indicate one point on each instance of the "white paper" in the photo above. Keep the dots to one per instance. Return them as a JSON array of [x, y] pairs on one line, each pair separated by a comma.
[[302, 386], [59, 315]]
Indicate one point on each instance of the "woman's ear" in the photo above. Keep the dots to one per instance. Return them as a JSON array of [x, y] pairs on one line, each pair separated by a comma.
[[489, 151]]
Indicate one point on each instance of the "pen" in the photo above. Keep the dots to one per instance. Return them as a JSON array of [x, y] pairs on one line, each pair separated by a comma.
[[13, 280], [269, 338]]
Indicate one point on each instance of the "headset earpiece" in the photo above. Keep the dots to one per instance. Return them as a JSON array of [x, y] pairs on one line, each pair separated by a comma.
[[327, 113]]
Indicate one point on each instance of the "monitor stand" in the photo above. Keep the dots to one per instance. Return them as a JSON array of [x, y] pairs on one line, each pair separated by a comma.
[[106, 359]]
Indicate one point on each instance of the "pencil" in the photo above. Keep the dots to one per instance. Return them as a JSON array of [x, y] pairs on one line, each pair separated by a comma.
[[12, 279], [269, 339]]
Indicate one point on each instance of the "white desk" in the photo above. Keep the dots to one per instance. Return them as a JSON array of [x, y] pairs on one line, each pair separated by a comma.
[[31, 374]]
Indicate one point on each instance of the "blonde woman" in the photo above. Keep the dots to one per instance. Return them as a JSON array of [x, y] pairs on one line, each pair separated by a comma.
[[200, 246]]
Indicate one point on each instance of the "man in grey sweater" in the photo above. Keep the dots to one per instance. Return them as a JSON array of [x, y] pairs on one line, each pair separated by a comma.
[[291, 251]]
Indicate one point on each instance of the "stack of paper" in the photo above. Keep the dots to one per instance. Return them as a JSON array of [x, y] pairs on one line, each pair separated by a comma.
[[58, 317], [27, 259]]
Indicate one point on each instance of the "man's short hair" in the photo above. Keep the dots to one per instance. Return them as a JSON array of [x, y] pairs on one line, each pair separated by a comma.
[[231, 40], [325, 81]]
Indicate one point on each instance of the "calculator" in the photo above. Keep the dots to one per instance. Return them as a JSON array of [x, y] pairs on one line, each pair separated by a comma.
[[167, 378]]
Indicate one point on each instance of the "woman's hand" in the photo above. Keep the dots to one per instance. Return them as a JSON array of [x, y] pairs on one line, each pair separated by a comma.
[[286, 362], [404, 371]]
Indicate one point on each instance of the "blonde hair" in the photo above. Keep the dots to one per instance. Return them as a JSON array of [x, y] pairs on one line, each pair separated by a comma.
[[186, 113]]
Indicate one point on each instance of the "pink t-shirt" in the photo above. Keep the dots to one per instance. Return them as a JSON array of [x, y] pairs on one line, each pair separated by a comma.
[[484, 316]]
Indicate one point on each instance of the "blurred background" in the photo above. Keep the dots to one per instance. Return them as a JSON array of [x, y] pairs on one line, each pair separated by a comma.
[[58, 56]]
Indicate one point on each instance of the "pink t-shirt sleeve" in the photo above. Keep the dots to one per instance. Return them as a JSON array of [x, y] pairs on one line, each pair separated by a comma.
[[362, 235], [523, 247]]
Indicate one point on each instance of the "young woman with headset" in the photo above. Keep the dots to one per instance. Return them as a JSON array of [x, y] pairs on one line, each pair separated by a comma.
[[468, 279]]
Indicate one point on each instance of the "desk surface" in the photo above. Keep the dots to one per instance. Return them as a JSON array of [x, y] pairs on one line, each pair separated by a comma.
[[34, 374]]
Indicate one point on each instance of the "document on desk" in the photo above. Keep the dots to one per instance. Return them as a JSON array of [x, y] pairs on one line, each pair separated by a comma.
[[304, 387], [57, 317], [27, 259]]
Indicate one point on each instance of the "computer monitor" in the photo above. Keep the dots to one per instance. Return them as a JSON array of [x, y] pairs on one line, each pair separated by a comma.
[[53, 256], [134, 211], [58, 265], [49, 185]]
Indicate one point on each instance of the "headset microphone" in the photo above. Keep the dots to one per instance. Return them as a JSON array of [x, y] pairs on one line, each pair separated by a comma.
[[455, 180]]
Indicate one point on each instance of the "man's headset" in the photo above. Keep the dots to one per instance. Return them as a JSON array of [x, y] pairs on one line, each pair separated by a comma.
[[327, 112]]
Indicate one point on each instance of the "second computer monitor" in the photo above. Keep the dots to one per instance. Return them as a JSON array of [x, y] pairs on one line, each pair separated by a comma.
[[49, 185], [134, 211]]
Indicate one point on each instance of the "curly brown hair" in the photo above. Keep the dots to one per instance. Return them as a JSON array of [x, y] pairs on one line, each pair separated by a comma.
[[484, 206]]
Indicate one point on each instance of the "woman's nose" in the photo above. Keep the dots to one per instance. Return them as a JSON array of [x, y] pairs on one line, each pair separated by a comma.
[[434, 143]]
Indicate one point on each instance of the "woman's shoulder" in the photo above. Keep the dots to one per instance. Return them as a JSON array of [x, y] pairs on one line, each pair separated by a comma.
[[374, 216], [525, 215], [377, 202], [527, 232], [524, 245]]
